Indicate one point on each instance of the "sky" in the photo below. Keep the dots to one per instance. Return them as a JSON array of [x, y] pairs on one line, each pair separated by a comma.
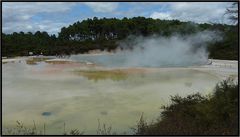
[[52, 16]]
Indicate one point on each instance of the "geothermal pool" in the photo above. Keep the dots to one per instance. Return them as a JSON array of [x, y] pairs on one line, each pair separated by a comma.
[[81, 94]]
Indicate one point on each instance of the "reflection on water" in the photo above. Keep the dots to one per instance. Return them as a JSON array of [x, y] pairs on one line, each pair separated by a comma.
[[117, 98]]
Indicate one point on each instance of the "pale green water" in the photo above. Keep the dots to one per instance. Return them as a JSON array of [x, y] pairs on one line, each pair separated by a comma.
[[28, 92]]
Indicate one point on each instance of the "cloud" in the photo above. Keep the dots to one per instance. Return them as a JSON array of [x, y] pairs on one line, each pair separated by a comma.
[[102, 6], [159, 15], [27, 16], [200, 12], [51, 16], [18, 16], [21, 10], [28, 26]]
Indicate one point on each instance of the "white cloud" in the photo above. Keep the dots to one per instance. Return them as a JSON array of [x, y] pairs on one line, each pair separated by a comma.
[[17, 16], [102, 6], [28, 26], [200, 12], [36, 7], [26, 16], [159, 15]]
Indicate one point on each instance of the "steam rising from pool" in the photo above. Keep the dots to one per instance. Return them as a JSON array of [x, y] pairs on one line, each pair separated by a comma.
[[157, 51]]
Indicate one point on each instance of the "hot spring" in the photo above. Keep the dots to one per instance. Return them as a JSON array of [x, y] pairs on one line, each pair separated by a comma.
[[78, 94]]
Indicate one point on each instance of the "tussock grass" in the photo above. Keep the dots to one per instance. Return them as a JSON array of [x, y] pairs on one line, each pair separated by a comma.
[[20, 129]]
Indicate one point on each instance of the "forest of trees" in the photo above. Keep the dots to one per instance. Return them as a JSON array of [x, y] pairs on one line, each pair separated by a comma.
[[104, 34]]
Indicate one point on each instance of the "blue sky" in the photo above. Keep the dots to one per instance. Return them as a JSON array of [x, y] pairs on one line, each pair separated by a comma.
[[52, 16]]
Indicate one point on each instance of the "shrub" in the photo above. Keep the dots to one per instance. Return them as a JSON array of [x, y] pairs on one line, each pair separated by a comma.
[[198, 115]]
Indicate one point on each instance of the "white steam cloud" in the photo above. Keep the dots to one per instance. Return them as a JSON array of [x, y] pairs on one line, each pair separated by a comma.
[[158, 51]]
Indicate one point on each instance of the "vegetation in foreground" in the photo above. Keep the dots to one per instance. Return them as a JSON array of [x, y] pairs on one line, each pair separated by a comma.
[[192, 115], [198, 115]]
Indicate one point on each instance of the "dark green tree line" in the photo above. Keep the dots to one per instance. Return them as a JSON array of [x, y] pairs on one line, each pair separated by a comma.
[[103, 34]]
